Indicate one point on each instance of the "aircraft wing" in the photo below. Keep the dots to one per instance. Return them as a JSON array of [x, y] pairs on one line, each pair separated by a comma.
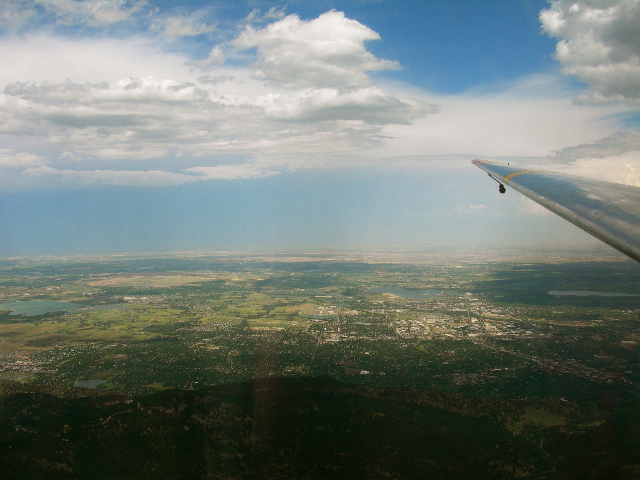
[[608, 211]]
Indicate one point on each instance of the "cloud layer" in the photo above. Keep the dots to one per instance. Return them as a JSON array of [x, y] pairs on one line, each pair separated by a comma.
[[141, 118], [137, 104], [94, 13], [305, 89]]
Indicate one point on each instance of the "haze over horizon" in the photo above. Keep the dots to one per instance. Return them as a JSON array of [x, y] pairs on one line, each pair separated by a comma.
[[142, 126]]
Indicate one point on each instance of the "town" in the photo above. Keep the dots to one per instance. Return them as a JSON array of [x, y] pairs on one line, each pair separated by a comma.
[[146, 328], [407, 359]]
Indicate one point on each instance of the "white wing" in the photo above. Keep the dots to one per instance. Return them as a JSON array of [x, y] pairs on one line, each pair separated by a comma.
[[608, 211]]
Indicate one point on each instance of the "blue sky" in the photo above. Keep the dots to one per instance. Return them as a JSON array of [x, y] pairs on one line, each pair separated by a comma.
[[131, 126]]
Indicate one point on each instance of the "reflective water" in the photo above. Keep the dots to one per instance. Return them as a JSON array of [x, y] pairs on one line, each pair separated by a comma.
[[32, 308], [586, 293]]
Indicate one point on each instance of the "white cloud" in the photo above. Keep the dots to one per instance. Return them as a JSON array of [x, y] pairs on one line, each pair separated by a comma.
[[532, 117], [123, 92], [615, 158], [472, 209], [9, 158], [90, 103], [92, 12], [613, 145], [216, 58], [326, 52], [256, 16], [599, 43], [148, 117], [132, 118], [214, 79], [368, 105], [232, 172], [624, 168], [151, 178], [183, 26], [14, 14], [50, 58], [75, 100]]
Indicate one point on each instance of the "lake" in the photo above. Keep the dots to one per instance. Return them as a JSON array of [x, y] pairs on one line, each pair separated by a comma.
[[587, 293], [32, 308], [407, 294]]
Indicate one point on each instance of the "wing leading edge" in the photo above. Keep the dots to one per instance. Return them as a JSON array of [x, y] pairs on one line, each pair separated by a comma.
[[608, 211]]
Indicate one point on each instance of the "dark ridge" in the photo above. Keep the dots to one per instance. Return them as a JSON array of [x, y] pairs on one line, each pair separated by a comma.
[[291, 428]]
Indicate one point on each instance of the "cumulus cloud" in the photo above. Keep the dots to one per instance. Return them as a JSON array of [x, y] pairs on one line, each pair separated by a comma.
[[326, 52], [599, 43], [10, 159], [367, 105]]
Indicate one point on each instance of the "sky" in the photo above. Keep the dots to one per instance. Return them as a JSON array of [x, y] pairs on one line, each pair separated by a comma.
[[154, 126]]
